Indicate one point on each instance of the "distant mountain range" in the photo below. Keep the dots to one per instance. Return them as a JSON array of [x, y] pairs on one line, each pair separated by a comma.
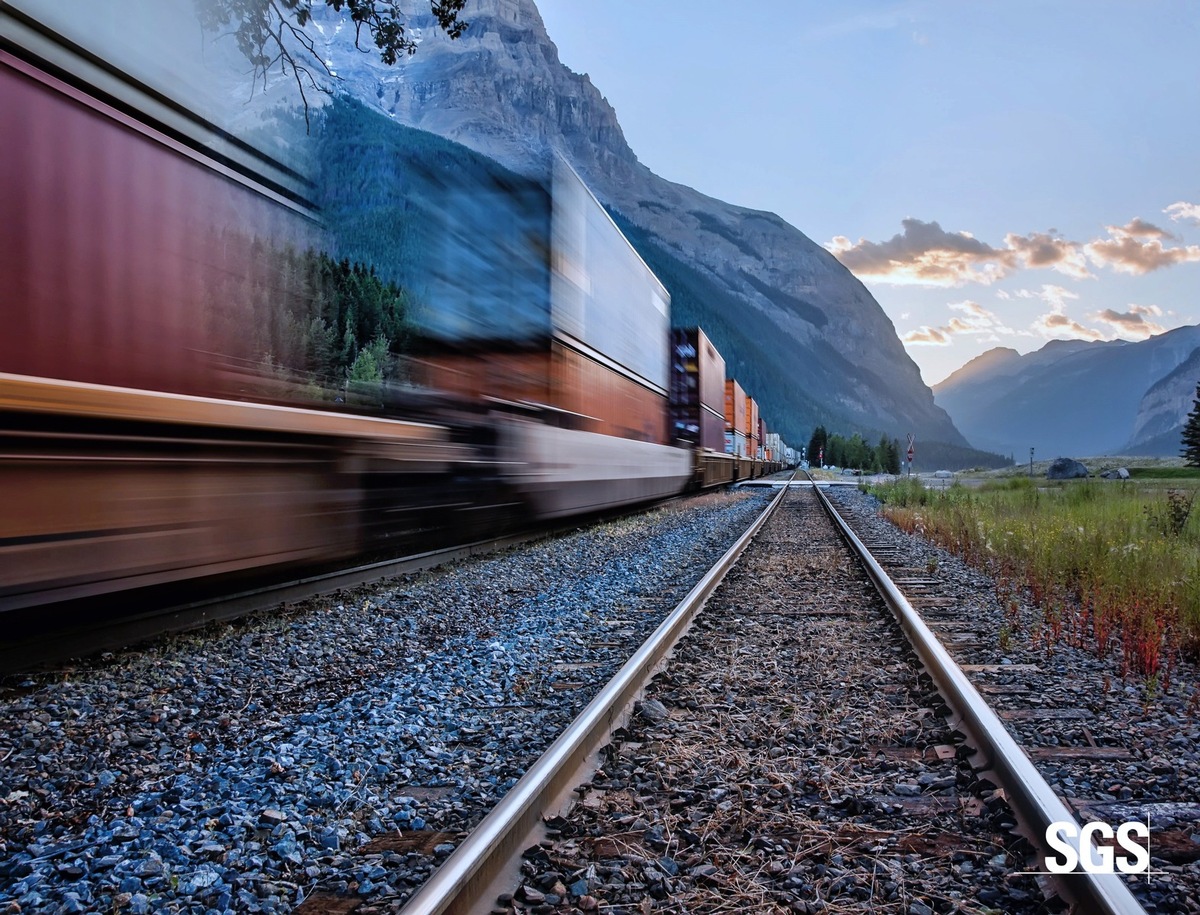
[[1076, 398], [803, 335]]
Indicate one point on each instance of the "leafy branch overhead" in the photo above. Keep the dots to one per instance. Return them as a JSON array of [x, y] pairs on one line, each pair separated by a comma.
[[274, 33]]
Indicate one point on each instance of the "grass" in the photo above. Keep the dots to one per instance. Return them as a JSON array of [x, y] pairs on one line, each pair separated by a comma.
[[1165, 473], [1115, 566]]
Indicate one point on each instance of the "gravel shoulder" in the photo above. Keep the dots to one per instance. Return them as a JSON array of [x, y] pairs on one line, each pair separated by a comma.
[[1115, 748], [252, 766]]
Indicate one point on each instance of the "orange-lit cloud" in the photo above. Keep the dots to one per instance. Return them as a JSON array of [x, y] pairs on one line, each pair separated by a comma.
[[1056, 325], [1133, 323], [975, 319], [1138, 248], [1046, 251], [924, 254], [1139, 228]]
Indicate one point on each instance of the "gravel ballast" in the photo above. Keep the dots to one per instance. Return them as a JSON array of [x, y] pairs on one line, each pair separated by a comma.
[[790, 758], [250, 767]]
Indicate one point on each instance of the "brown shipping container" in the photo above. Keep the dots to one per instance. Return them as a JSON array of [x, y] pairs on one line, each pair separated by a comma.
[[523, 377], [613, 402], [599, 398], [697, 389], [735, 407]]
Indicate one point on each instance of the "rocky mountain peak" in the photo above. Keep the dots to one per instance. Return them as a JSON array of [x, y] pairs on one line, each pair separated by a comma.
[[746, 275]]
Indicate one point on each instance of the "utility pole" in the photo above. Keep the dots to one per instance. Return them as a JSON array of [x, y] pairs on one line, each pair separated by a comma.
[[1031, 462]]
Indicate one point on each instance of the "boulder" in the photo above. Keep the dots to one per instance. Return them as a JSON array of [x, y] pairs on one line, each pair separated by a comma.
[[1119, 474], [1066, 469]]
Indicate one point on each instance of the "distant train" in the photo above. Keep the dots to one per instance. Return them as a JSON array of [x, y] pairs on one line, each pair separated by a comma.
[[145, 443]]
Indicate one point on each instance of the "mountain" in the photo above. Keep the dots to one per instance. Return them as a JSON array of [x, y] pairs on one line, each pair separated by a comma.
[[1163, 411], [1075, 397], [804, 336]]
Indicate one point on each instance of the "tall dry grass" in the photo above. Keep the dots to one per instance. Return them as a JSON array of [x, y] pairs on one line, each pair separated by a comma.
[[1111, 565]]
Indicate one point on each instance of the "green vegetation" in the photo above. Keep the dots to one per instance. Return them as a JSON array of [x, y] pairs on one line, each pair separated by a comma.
[[888, 456], [1191, 433], [1109, 564], [854, 452], [1165, 473], [319, 329]]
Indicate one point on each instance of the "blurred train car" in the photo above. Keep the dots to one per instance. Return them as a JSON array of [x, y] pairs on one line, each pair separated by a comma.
[[698, 403], [539, 302], [137, 266]]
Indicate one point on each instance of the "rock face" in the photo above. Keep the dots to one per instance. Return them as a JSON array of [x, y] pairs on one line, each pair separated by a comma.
[[1066, 469], [1163, 411], [782, 310], [1007, 402]]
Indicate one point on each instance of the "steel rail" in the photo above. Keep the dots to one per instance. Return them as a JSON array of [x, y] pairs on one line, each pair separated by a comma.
[[471, 874], [1031, 797]]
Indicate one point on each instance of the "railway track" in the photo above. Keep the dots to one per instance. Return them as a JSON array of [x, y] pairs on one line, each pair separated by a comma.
[[790, 757]]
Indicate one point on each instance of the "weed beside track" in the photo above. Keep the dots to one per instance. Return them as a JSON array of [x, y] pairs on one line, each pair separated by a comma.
[[1113, 565]]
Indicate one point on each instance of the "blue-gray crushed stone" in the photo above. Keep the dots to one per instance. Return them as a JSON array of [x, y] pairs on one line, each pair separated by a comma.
[[237, 769]]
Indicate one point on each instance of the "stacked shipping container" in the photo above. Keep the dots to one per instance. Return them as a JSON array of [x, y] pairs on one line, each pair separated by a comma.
[[752, 439], [697, 389], [735, 418], [537, 297]]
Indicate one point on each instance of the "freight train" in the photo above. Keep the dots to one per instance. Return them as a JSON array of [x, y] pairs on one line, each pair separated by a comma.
[[143, 250]]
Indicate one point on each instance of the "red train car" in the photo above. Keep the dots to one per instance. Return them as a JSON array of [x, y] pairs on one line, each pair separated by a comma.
[[138, 274]]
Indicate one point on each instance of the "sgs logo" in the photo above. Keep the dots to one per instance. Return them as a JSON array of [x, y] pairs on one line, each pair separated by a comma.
[[1074, 845]]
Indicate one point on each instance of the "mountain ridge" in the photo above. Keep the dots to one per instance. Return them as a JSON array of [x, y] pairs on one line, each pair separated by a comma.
[[1071, 397], [502, 91]]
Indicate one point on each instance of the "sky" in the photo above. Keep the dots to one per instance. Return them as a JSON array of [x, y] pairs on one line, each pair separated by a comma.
[[997, 174]]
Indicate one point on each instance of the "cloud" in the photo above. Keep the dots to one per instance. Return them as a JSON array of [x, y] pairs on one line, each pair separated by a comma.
[[1044, 250], [1139, 228], [924, 253], [1135, 249], [1184, 212], [928, 336], [1056, 324], [1133, 323], [976, 320], [1054, 296]]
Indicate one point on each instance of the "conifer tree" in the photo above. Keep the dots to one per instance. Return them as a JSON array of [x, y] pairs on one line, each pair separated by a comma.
[[1191, 433]]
